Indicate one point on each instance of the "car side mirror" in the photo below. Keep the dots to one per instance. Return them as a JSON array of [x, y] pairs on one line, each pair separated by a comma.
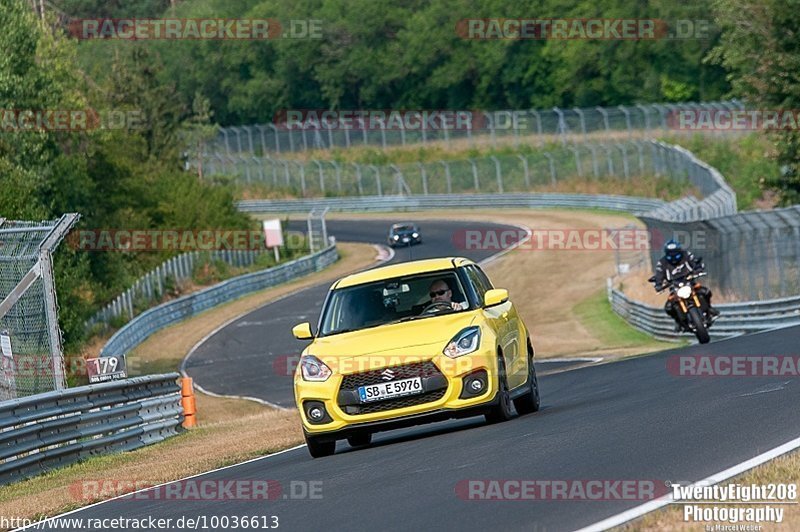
[[495, 296], [302, 331], [652, 279]]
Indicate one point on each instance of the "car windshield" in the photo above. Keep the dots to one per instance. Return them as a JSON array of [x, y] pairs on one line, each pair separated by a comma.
[[403, 228], [389, 301]]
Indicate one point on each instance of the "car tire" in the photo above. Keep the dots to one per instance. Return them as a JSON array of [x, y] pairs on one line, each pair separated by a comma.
[[502, 410], [529, 402], [362, 439], [319, 448]]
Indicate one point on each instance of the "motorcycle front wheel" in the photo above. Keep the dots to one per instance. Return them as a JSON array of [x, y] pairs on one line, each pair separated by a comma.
[[700, 330]]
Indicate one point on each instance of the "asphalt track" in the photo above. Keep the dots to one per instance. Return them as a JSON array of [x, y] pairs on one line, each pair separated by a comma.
[[628, 420]]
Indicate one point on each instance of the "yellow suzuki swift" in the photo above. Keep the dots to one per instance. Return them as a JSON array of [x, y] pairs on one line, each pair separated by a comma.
[[408, 344]]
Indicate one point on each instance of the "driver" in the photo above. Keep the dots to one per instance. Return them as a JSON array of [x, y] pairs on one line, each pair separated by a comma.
[[440, 292]]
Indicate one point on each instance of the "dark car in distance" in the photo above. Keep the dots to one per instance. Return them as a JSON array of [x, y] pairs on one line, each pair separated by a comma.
[[404, 234]]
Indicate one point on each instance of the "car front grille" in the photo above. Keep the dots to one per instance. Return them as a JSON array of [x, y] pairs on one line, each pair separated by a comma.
[[418, 369], [391, 404], [374, 376]]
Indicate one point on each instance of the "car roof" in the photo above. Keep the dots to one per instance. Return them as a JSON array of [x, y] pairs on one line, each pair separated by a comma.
[[408, 224], [403, 268]]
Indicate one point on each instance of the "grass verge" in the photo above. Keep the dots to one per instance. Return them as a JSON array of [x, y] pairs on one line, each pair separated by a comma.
[[596, 314]]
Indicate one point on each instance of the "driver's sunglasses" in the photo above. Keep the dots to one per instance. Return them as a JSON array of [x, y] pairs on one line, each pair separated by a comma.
[[438, 293]]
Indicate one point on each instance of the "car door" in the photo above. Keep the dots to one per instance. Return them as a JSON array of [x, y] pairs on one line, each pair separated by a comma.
[[498, 317], [515, 348]]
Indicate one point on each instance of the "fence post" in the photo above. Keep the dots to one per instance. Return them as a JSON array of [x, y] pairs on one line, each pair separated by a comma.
[[562, 125], [277, 139], [302, 177], [582, 119], [498, 173], [377, 179], [338, 170], [358, 179], [527, 173], [492, 132], [321, 175], [424, 178], [552, 168], [475, 174], [577, 160], [605, 118], [643, 109], [627, 119], [538, 126], [624, 150], [447, 177]]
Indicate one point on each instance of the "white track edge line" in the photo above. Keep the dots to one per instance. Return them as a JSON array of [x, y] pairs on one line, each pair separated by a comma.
[[633, 513]]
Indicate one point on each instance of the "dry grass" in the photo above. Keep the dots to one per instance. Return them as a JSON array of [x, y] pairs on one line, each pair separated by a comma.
[[785, 469]]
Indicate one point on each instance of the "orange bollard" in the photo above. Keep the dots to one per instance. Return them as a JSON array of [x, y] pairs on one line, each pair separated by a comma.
[[187, 401]]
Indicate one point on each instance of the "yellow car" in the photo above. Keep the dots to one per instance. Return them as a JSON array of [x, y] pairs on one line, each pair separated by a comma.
[[408, 344]]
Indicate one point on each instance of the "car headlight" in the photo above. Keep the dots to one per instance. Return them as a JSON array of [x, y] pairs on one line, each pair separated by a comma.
[[415, 235], [313, 369], [685, 292], [465, 342], [396, 237]]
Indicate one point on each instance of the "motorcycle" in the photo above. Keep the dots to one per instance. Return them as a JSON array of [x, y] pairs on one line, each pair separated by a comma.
[[683, 290]]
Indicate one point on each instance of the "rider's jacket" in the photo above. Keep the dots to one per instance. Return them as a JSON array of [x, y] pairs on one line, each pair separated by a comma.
[[665, 271]]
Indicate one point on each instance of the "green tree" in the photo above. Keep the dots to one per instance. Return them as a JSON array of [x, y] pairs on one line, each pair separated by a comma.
[[760, 47]]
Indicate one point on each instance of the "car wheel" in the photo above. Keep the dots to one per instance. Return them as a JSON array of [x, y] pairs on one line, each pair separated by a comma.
[[529, 402], [360, 440], [318, 448], [502, 410]]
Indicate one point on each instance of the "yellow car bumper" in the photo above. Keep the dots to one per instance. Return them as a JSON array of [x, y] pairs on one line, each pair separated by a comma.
[[445, 397]]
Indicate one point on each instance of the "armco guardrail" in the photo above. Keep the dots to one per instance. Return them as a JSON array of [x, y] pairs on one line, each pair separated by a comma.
[[53, 429], [453, 201], [152, 285], [735, 318], [155, 319]]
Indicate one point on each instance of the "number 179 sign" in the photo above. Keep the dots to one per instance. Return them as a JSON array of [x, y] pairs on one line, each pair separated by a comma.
[[106, 368]]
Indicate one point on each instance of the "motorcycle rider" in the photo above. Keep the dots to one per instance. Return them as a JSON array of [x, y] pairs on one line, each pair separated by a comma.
[[678, 262]]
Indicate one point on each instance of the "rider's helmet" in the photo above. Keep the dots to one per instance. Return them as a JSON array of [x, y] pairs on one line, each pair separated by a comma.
[[673, 252]]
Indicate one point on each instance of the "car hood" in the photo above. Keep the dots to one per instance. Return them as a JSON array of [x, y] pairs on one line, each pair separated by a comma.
[[418, 338]]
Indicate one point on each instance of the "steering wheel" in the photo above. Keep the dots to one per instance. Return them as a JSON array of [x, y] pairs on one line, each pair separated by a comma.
[[441, 305]]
